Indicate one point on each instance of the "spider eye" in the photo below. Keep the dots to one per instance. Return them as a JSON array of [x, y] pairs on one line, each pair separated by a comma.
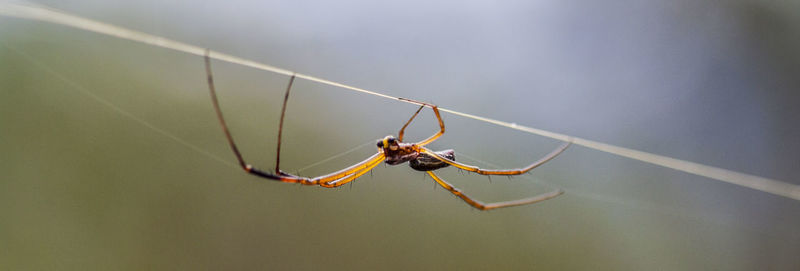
[[380, 144], [391, 140]]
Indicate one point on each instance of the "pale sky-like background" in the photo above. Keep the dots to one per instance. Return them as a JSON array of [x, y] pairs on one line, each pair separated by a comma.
[[85, 186]]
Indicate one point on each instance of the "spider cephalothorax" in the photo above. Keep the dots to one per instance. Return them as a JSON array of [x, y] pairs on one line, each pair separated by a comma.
[[391, 150], [397, 152]]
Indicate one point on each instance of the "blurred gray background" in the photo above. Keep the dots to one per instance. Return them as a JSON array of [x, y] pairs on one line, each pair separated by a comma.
[[93, 185]]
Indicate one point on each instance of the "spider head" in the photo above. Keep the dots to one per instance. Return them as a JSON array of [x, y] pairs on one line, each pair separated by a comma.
[[388, 142]]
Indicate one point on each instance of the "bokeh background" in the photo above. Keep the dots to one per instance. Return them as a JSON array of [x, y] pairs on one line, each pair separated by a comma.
[[98, 172]]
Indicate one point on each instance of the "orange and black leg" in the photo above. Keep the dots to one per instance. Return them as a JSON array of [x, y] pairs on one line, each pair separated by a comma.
[[489, 206], [438, 118], [329, 180], [517, 171]]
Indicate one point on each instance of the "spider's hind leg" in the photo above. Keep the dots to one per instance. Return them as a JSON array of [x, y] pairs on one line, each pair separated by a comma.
[[489, 206], [438, 118], [481, 171], [402, 130]]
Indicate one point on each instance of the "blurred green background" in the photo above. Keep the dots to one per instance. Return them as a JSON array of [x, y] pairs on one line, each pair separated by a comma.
[[92, 185]]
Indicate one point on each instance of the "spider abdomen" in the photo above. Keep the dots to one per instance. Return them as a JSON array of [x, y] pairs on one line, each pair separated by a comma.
[[426, 162]]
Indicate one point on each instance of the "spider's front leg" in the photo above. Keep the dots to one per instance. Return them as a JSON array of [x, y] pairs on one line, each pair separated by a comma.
[[352, 177], [334, 179], [329, 180]]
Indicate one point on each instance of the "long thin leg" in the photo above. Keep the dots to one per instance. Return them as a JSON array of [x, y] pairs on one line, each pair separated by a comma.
[[438, 117], [357, 169], [373, 160], [283, 177], [402, 130], [488, 206], [518, 171], [214, 101], [280, 125], [352, 177]]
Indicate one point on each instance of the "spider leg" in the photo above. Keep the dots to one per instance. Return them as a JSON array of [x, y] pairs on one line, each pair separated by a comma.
[[214, 101], [339, 182], [402, 130], [280, 125], [338, 178], [517, 171], [438, 117], [359, 168], [280, 175], [488, 206]]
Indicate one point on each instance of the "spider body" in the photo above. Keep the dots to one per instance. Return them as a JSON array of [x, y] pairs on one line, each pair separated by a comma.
[[392, 151], [397, 152], [427, 162]]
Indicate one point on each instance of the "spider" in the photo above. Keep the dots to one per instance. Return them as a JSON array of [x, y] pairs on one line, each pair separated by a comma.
[[391, 150]]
